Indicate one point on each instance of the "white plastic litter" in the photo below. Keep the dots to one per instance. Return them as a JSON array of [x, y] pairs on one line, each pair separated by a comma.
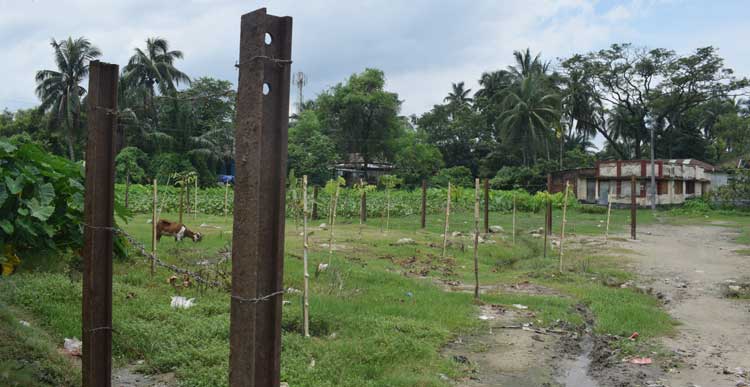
[[179, 302], [72, 346], [519, 306], [322, 267], [24, 323]]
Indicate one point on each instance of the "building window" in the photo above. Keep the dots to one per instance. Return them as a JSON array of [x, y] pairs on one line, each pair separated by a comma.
[[690, 187], [678, 187], [662, 187]]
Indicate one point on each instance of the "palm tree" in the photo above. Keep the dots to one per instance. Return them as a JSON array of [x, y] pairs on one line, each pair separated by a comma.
[[527, 65], [216, 144], [60, 90], [458, 97], [531, 109], [154, 68]]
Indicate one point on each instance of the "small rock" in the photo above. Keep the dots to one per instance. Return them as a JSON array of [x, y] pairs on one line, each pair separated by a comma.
[[456, 234], [496, 229], [405, 241], [323, 226], [24, 323], [519, 306]]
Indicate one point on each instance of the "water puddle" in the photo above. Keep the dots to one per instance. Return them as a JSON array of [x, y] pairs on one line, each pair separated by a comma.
[[575, 371]]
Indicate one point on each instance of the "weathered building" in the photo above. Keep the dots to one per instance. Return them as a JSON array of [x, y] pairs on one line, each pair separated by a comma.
[[676, 180], [355, 169]]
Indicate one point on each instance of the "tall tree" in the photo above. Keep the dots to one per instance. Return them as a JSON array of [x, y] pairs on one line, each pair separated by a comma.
[[154, 68], [531, 110], [60, 90], [458, 98], [361, 117]]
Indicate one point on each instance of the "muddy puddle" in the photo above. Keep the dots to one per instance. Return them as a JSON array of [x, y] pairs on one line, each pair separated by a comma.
[[574, 372]]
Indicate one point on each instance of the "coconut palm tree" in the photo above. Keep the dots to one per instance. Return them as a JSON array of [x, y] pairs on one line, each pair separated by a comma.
[[154, 68], [459, 96], [60, 90], [530, 110]]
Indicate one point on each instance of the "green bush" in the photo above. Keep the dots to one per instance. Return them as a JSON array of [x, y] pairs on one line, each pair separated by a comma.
[[41, 203]]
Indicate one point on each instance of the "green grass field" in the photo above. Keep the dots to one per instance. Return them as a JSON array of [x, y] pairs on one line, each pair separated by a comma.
[[375, 319]]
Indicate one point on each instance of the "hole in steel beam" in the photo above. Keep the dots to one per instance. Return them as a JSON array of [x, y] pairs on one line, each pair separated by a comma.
[[266, 88], [269, 39]]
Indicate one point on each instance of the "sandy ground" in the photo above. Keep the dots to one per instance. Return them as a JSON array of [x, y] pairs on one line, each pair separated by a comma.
[[690, 264]]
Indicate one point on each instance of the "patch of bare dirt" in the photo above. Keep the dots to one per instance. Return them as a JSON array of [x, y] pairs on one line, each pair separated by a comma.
[[692, 267], [506, 354], [128, 376]]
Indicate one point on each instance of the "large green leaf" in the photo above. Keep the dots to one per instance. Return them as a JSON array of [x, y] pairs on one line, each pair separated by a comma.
[[3, 195], [7, 147], [7, 226], [15, 186], [39, 210], [46, 193]]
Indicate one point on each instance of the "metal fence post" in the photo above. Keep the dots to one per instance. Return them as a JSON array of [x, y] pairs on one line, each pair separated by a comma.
[[258, 235], [99, 220]]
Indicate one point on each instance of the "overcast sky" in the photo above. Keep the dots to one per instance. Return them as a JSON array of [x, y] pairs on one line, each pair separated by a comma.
[[421, 45]]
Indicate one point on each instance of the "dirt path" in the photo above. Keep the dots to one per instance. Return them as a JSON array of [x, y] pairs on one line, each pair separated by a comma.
[[690, 265]]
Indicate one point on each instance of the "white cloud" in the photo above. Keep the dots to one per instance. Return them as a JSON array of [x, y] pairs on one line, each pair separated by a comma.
[[422, 45]]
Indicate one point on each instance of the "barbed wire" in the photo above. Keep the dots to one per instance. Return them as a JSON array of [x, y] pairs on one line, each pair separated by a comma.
[[141, 249]]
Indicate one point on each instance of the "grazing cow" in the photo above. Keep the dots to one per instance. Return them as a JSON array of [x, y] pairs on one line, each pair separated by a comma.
[[178, 230]]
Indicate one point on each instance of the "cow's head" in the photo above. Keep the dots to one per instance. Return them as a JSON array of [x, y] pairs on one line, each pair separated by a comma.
[[197, 237]]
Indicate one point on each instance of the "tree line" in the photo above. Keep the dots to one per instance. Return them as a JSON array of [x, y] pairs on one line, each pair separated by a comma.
[[522, 122]]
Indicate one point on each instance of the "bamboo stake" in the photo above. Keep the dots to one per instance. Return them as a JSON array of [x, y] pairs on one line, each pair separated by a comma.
[[154, 221], [161, 206], [333, 222], [387, 209], [564, 220], [226, 196], [306, 288], [195, 202], [609, 211], [514, 219], [182, 199], [362, 208], [447, 218], [476, 238]]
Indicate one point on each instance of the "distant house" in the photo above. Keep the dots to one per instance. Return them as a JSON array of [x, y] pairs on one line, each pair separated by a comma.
[[676, 180], [354, 169]]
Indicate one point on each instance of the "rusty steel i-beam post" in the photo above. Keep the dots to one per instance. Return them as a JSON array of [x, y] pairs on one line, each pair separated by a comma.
[[486, 205], [424, 204], [98, 216], [258, 235], [633, 209]]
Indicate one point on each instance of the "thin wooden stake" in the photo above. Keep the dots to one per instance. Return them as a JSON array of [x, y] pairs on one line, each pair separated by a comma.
[[476, 238], [514, 218], [486, 205], [609, 212], [387, 209], [315, 203], [564, 220], [333, 223], [633, 209], [195, 202], [226, 196], [362, 206], [154, 221], [447, 219], [424, 204], [549, 204], [306, 288], [182, 199]]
